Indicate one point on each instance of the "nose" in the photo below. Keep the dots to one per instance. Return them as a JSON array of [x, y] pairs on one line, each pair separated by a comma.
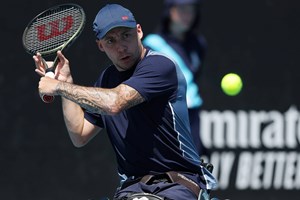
[[121, 47]]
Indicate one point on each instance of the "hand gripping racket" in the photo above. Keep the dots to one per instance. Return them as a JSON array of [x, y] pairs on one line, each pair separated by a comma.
[[53, 29]]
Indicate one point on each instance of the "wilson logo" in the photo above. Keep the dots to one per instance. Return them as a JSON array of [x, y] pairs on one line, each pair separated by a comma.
[[54, 28]]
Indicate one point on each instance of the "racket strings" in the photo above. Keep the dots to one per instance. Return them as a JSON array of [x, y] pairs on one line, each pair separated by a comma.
[[53, 30]]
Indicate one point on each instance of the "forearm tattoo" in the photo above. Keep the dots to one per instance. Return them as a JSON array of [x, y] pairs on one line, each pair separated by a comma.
[[99, 100]]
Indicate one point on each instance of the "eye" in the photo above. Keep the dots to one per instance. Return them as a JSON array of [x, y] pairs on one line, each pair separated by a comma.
[[109, 40], [126, 35]]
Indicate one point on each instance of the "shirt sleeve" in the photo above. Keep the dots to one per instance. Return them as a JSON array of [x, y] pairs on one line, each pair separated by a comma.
[[154, 76]]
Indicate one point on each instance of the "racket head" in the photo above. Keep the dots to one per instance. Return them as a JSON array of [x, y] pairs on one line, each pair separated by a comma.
[[54, 29]]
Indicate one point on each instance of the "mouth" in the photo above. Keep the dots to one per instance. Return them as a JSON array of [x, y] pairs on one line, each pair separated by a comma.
[[125, 58]]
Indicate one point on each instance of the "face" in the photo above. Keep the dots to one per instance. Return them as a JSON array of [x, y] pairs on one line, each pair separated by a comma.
[[123, 46], [183, 16]]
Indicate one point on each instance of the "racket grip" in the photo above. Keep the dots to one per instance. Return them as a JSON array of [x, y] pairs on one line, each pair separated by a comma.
[[48, 98]]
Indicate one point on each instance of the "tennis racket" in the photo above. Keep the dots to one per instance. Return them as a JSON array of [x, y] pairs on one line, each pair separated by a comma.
[[53, 29]]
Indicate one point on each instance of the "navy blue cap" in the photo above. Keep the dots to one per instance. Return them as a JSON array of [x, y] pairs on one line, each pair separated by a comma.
[[180, 2], [112, 16]]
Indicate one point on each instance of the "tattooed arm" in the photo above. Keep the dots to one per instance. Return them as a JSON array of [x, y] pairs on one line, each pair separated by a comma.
[[97, 100], [100, 100]]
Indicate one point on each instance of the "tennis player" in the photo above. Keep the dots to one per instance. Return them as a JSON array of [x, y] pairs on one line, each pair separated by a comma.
[[140, 100]]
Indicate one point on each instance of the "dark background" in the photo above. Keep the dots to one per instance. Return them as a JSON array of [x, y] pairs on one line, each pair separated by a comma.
[[257, 39]]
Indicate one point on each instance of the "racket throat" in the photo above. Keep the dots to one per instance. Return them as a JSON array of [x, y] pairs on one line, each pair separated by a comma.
[[50, 72]]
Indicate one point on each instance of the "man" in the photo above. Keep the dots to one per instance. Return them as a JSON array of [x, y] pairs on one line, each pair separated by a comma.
[[140, 101]]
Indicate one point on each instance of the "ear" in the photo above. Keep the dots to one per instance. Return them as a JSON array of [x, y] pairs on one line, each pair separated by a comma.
[[139, 31], [100, 47]]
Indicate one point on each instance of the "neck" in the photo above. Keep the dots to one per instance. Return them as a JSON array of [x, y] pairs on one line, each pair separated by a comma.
[[143, 52]]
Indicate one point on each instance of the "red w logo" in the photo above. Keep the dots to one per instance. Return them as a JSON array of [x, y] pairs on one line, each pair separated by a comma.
[[54, 28]]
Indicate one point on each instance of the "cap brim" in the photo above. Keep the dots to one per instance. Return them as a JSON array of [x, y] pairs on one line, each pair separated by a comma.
[[127, 24]]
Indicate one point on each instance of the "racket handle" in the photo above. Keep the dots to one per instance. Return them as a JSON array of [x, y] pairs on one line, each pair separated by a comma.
[[48, 98]]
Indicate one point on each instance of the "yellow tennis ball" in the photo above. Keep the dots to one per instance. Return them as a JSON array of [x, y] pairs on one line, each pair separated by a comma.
[[231, 84]]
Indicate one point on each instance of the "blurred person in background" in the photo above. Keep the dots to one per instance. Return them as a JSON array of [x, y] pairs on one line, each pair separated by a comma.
[[177, 38]]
